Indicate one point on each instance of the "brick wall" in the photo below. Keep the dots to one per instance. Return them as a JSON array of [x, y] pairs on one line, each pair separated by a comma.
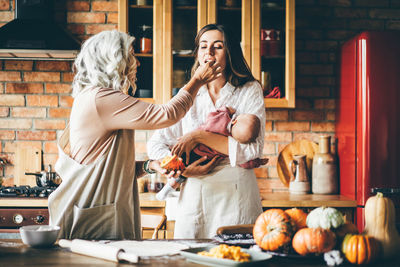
[[35, 95]]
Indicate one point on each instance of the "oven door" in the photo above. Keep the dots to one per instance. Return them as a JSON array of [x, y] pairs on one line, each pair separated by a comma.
[[11, 219]]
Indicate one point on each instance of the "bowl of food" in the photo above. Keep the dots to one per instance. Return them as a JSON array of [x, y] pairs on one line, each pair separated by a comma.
[[39, 235]]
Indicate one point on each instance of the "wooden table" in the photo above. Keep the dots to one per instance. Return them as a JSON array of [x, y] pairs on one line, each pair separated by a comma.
[[57, 257]]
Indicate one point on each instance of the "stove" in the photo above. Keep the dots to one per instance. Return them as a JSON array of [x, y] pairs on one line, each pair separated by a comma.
[[26, 191], [19, 207]]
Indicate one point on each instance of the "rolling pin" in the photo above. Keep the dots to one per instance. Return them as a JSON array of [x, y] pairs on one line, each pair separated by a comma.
[[97, 250]]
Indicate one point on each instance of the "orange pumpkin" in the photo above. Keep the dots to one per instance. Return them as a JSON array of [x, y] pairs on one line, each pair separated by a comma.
[[313, 240], [298, 216], [172, 163], [273, 229], [360, 249]]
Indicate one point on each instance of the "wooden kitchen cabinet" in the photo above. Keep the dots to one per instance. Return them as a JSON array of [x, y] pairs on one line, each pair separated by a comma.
[[309, 202], [275, 58], [174, 26], [132, 18], [150, 205]]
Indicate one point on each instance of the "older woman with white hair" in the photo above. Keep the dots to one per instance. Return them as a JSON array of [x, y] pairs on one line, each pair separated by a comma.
[[98, 198]]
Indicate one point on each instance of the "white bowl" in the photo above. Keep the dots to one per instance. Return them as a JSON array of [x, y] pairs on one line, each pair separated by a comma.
[[39, 235]]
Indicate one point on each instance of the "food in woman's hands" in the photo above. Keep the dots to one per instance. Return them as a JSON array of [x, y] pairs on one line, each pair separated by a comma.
[[226, 252], [172, 163]]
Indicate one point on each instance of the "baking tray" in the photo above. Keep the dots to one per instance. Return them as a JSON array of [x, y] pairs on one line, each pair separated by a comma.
[[257, 258]]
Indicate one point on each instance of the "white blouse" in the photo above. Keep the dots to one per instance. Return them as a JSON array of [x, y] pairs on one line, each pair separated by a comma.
[[245, 99]]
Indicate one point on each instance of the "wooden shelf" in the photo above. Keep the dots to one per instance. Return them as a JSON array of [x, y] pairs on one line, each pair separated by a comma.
[[273, 57], [285, 199], [278, 8], [141, 6], [143, 55], [226, 8], [186, 7], [185, 56]]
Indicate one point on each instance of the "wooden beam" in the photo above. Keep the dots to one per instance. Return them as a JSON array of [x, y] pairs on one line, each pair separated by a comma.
[[123, 15], [167, 52]]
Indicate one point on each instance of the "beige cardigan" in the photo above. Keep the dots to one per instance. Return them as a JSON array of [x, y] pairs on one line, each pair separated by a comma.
[[98, 198]]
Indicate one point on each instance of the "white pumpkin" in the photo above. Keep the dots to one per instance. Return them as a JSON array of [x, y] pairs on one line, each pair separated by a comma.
[[325, 217]]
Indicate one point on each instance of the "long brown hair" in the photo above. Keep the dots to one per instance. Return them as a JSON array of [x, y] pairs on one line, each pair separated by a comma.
[[237, 71]]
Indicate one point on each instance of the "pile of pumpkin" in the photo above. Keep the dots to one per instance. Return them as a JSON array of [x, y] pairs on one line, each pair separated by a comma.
[[324, 229]]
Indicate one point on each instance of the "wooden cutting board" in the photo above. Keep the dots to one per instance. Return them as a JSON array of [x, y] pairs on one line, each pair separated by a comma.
[[27, 159]]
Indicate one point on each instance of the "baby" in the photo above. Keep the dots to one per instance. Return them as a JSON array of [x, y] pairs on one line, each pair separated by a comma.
[[243, 127]]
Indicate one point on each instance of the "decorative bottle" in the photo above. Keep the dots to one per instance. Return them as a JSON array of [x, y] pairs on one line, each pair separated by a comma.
[[324, 169]]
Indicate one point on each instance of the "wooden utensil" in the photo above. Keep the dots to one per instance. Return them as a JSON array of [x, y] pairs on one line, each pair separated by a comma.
[[236, 229], [27, 159]]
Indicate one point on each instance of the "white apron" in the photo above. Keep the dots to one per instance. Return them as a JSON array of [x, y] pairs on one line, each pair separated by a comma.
[[99, 200], [228, 196]]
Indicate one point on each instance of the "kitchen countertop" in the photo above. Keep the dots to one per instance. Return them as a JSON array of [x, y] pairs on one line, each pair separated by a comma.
[[286, 199], [56, 256], [146, 200], [283, 199], [23, 202]]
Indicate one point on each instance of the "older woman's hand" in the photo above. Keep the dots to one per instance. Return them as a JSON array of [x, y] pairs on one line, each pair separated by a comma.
[[208, 72], [156, 166]]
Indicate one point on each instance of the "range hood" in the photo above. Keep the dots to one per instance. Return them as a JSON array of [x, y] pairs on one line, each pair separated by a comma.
[[34, 34]]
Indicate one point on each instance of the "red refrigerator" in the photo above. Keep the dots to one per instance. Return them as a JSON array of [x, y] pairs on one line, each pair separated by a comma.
[[368, 119]]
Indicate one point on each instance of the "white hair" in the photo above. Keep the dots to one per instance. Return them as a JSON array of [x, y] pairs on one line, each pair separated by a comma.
[[106, 60]]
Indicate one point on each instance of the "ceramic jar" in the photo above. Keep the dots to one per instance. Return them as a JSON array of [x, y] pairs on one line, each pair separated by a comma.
[[324, 169], [299, 182]]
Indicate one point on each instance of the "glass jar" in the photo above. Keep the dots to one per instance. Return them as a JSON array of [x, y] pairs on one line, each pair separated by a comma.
[[155, 183], [145, 45]]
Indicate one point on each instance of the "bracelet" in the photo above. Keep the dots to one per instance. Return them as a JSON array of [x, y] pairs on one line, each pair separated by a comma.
[[146, 167], [180, 179]]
